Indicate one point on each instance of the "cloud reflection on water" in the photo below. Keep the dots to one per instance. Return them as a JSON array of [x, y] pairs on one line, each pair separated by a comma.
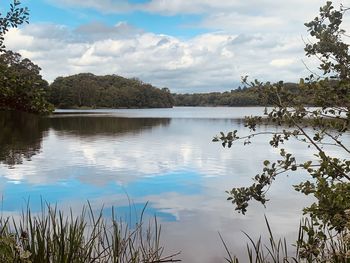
[[169, 162]]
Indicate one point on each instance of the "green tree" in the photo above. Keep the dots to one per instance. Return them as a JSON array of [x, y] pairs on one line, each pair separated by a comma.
[[15, 16], [21, 85], [321, 129], [110, 91]]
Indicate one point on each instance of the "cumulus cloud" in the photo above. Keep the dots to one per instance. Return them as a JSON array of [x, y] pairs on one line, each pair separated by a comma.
[[97, 30], [279, 63], [257, 38], [206, 62]]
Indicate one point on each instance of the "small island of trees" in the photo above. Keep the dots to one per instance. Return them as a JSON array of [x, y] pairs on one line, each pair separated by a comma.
[[110, 91]]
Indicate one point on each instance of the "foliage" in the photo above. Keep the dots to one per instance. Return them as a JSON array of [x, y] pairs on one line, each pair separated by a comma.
[[313, 245], [54, 237], [15, 16], [330, 48], [111, 91], [246, 96], [322, 129], [320, 245], [239, 97], [21, 85]]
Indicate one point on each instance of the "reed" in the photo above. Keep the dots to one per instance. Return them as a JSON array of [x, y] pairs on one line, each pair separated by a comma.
[[314, 244], [275, 251], [57, 237]]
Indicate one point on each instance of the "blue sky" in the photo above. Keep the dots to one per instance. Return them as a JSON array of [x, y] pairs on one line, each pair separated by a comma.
[[44, 11], [185, 45]]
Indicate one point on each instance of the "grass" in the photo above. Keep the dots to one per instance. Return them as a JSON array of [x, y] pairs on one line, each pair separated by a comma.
[[56, 237], [315, 244], [275, 251], [53, 236]]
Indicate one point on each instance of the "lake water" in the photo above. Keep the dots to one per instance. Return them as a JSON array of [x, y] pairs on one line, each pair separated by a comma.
[[161, 156]]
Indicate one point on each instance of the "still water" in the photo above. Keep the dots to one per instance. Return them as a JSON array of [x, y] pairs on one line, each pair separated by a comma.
[[161, 156]]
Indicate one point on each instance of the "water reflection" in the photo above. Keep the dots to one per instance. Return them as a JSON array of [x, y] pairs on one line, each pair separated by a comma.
[[170, 162], [21, 136], [95, 125]]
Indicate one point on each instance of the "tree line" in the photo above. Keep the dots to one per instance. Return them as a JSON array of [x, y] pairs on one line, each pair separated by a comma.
[[246, 96], [110, 91]]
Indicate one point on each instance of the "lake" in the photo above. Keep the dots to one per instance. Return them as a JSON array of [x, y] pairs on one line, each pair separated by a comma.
[[165, 157]]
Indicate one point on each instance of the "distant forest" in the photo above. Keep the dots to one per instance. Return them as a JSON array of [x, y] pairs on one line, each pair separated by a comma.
[[86, 90], [243, 97], [237, 97], [111, 91]]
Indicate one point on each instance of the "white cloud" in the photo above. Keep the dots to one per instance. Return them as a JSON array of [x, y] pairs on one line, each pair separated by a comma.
[[257, 38], [280, 63], [96, 31], [211, 61]]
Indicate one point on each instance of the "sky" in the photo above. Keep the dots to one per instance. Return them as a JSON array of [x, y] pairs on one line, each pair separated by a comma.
[[188, 46]]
